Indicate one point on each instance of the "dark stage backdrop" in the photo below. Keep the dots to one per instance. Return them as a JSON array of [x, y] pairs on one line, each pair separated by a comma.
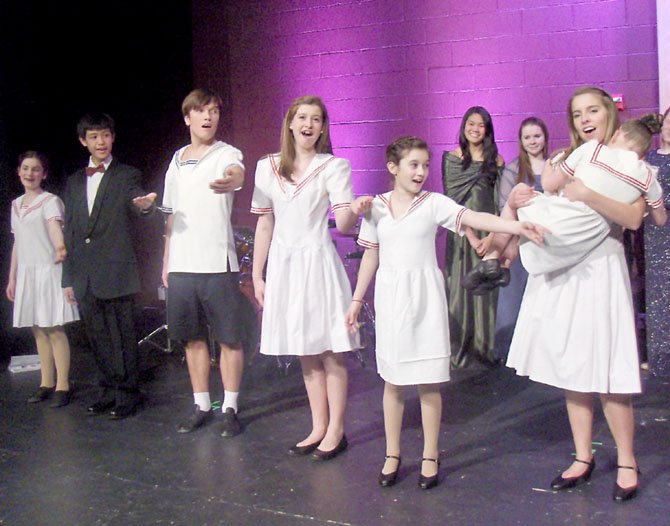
[[62, 59]]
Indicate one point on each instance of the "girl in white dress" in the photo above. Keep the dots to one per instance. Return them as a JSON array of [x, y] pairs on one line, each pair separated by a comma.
[[412, 323], [34, 283], [576, 326], [306, 291]]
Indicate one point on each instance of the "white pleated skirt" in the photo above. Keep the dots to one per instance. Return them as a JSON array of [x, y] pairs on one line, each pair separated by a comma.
[[576, 327]]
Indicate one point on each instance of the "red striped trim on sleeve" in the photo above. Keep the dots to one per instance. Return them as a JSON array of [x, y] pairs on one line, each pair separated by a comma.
[[564, 166], [459, 219], [260, 211], [367, 244], [55, 218], [657, 203], [340, 206]]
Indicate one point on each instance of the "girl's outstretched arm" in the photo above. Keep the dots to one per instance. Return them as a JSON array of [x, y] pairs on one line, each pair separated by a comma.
[[369, 264], [264, 228], [491, 223], [11, 282], [345, 218], [55, 229]]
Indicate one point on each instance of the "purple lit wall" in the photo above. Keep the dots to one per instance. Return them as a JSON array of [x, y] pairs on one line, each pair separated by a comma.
[[395, 67]]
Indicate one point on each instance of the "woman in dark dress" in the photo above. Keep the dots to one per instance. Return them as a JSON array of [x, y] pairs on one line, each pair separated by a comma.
[[657, 257], [470, 175]]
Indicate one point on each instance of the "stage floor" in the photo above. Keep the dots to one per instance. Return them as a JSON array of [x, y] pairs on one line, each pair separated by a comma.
[[503, 440]]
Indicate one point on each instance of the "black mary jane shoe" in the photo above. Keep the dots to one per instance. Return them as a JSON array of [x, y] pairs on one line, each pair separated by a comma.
[[301, 451], [42, 394], [321, 455], [389, 479], [485, 272], [429, 482], [61, 399], [623, 494], [560, 483]]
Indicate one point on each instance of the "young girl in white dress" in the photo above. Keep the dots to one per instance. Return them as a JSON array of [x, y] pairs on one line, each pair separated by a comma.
[[576, 327], [306, 291], [412, 324], [34, 283]]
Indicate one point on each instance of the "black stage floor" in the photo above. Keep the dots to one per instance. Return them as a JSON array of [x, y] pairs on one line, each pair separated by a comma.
[[503, 440]]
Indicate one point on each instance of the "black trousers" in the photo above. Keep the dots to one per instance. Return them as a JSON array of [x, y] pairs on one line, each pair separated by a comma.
[[111, 332]]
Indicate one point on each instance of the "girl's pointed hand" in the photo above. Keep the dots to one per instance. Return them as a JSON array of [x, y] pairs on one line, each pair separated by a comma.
[[533, 232]]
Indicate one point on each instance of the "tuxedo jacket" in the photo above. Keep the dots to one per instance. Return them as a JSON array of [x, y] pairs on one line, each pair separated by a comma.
[[100, 252]]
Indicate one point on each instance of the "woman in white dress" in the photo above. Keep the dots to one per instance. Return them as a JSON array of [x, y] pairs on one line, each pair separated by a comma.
[[412, 321], [34, 283], [576, 327], [306, 290]]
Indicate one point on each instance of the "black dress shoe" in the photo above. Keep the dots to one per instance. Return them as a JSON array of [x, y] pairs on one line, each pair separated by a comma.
[[320, 455], [42, 394], [389, 479], [623, 494], [61, 398], [560, 483], [99, 407], [231, 424], [301, 451], [429, 482], [197, 419], [486, 271], [124, 411]]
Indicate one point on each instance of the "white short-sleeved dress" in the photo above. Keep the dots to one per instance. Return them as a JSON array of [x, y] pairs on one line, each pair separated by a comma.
[[412, 318], [39, 298], [576, 326], [307, 292]]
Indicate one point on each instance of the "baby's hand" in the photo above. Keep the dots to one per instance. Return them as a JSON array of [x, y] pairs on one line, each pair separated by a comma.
[[61, 253], [361, 204], [533, 232]]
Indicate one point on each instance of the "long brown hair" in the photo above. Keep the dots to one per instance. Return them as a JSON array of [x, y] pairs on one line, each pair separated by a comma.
[[287, 151], [526, 174]]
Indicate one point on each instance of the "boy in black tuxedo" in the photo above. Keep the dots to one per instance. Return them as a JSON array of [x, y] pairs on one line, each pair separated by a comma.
[[100, 272]]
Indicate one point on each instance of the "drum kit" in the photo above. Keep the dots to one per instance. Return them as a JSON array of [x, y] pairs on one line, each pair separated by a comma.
[[252, 314]]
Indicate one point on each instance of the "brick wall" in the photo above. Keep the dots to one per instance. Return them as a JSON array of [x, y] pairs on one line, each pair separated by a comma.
[[393, 67]]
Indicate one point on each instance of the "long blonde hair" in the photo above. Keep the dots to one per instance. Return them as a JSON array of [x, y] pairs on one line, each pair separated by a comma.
[[612, 115], [287, 151]]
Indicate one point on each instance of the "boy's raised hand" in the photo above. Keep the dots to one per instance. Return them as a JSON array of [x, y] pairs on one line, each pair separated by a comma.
[[533, 232], [361, 204], [145, 202], [233, 177]]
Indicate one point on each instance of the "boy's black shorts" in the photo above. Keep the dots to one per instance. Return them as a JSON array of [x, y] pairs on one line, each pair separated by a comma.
[[196, 301]]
